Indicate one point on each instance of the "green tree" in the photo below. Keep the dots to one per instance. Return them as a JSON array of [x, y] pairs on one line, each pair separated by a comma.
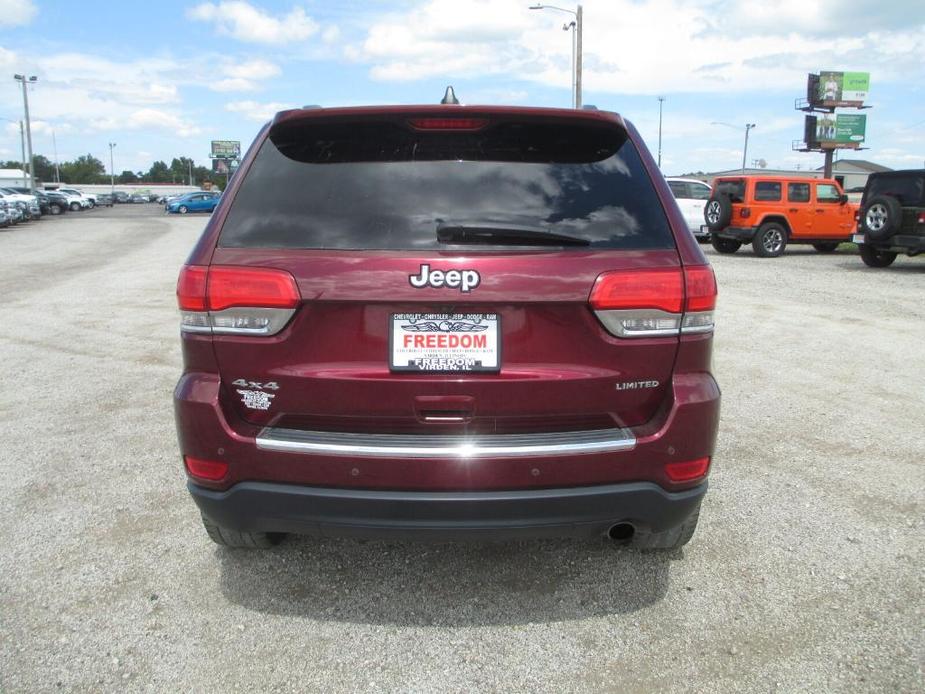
[[84, 169], [127, 177], [44, 168], [158, 173]]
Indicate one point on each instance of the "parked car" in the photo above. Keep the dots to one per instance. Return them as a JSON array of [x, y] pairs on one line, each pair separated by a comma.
[[104, 200], [892, 217], [194, 202], [138, 198], [27, 202], [447, 321], [772, 211], [6, 217], [58, 203], [121, 197], [75, 201], [86, 200], [692, 196]]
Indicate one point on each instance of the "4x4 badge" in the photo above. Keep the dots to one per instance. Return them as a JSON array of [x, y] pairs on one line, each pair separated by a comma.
[[464, 280]]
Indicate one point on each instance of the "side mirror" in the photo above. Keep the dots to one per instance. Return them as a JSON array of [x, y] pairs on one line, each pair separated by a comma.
[[843, 198]]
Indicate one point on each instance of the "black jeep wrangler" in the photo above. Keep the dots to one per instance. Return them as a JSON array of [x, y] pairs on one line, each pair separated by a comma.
[[891, 219]]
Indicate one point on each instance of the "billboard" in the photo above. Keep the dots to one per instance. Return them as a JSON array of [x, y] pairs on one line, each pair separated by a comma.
[[226, 149], [221, 166], [838, 88], [836, 130]]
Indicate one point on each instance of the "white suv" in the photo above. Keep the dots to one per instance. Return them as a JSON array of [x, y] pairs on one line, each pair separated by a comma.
[[77, 200], [692, 196]]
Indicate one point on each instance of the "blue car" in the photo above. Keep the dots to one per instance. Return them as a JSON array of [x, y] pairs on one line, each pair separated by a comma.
[[194, 202]]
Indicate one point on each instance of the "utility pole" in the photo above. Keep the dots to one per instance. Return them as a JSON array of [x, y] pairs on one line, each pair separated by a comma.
[[661, 99], [54, 143], [112, 171], [190, 162], [748, 126], [25, 101], [578, 60], [22, 142]]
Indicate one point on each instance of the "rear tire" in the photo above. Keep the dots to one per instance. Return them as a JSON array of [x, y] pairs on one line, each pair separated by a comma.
[[233, 538], [825, 247], [55, 208], [725, 245], [874, 258], [74, 206], [183, 209], [770, 241], [674, 538]]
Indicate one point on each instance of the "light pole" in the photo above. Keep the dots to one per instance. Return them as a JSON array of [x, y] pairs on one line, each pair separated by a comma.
[[661, 100], [25, 101], [576, 46], [22, 141], [190, 162], [54, 144], [748, 127], [112, 171]]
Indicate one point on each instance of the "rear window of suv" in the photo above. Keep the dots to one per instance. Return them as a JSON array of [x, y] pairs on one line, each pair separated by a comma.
[[385, 185], [908, 189]]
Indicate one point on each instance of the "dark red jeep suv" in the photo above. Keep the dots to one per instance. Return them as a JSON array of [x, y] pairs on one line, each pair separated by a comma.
[[447, 321]]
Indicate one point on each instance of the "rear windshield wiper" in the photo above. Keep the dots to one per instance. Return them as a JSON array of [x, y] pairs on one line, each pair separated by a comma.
[[505, 236]]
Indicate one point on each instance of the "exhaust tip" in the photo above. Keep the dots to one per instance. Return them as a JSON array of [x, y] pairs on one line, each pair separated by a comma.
[[621, 532]]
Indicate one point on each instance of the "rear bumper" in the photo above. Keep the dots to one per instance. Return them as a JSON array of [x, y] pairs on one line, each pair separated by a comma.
[[900, 243], [745, 234], [570, 512]]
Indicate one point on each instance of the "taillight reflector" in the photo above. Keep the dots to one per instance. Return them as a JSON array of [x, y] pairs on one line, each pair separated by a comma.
[[251, 287], [699, 288], [922, 218], [448, 123], [191, 288], [213, 470], [660, 289], [688, 470]]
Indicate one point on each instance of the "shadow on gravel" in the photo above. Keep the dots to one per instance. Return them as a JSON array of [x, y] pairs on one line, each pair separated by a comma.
[[444, 584]]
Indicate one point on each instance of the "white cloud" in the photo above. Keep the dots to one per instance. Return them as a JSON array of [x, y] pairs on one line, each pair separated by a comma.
[[255, 110], [245, 77], [708, 46], [245, 22], [17, 12]]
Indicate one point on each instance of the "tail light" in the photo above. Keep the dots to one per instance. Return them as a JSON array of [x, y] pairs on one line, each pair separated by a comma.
[[745, 213], [230, 300], [921, 219], [656, 302]]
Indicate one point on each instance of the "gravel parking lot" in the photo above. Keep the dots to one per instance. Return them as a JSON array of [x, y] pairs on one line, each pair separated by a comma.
[[805, 574]]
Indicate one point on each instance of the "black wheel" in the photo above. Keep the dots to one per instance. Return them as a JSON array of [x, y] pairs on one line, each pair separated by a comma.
[[825, 247], [55, 208], [74, 206], [875, 258], [183, 209], [717, 213], [725, 245], [881, 216], [233, 538], [770, 240], [675, 538]]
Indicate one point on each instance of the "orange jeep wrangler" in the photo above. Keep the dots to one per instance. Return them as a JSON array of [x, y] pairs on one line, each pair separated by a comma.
[[772, 211]]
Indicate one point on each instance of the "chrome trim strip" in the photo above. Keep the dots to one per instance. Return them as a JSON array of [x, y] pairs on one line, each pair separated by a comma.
[[446, 446]]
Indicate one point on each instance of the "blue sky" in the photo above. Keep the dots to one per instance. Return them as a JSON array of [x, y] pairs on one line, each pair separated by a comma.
[[163, 79]]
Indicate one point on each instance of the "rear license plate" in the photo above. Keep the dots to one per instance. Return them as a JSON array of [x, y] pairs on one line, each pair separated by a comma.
[[444, 342], [858, 238]]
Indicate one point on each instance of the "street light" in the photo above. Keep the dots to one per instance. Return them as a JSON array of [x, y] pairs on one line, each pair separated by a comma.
[[576, 46], [661, 100], [112, 171], [25, 101], [748, 127]]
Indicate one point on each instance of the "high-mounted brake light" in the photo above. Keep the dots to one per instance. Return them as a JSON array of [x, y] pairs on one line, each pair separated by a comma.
[[227, 299], [657, 302], [448, 123]]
